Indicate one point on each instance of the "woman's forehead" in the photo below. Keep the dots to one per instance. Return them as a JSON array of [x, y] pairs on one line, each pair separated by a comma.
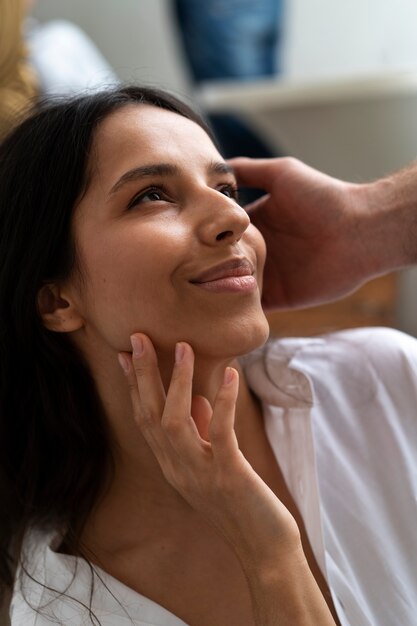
[[143, 134], [144, 127]]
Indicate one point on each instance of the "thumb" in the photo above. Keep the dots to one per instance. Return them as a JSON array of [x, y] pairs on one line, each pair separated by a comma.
[[201, 412], [258, 173]]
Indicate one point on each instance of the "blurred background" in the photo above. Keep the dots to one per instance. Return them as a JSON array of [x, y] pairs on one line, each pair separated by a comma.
[[333, 83]]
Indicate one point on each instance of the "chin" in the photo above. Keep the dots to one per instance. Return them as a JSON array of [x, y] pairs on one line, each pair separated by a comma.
[[255, 338], [241, 337]]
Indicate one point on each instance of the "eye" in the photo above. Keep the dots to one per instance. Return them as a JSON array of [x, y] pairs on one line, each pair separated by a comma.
[[230, 190], [152, 194]]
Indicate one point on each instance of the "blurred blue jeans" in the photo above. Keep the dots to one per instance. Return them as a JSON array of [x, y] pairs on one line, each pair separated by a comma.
[[232, 39]]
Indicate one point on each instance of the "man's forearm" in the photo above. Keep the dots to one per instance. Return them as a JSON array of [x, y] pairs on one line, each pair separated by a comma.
[[390, 230]]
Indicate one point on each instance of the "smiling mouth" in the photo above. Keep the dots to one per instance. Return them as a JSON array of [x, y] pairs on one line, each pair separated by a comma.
[[232, 284], [235, 275], [236, 266]]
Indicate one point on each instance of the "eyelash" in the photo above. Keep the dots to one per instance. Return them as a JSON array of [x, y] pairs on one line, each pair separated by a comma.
[[145, 192], [160, 189], [234, 191]]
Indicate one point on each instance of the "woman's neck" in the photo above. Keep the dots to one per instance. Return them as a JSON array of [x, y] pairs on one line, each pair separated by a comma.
[[140, 502]]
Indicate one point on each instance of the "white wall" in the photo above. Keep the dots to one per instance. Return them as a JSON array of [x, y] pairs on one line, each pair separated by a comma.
[[340, 37], [329, 38], [136, 37], [324, 38]]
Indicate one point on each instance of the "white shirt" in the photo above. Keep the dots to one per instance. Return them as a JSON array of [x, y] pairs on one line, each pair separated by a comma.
[[340, 414]]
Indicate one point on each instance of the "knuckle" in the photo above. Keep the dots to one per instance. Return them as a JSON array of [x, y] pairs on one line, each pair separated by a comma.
[[141, 367], [171, 424], [216, 433], [176, 478], [290, 161], [133, 388], [145, 417]]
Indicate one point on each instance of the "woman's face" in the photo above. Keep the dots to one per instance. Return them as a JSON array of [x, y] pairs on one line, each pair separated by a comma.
[[160, 212]]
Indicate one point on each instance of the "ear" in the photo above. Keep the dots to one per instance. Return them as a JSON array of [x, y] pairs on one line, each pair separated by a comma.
[[57, 311]]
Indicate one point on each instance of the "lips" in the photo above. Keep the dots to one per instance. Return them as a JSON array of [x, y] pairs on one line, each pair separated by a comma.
[[231, 268]]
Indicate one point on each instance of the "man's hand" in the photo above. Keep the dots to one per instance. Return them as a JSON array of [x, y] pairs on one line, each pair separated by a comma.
[[319, 231]]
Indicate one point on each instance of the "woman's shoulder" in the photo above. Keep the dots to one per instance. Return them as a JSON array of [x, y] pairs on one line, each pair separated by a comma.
[[355, 365], [362, 364], [362, 384], [387, 352], [380, 344], [375, 342]]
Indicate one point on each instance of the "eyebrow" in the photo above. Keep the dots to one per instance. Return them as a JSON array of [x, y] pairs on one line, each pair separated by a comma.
[[164, 169]]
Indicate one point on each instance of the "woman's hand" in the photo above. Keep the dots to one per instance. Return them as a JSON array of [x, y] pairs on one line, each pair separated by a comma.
[[198, 452]]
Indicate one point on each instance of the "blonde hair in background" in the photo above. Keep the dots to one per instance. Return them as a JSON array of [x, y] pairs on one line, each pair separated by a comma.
[[18, 84]]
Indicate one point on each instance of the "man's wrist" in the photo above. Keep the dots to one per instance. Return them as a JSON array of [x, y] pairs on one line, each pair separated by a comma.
[[389, 229]]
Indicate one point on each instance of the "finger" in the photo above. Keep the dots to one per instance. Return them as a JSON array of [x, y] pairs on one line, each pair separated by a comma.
[[145, 416], [255, 172], [221, 431], [150, 388], [150, 426], [176, 420], [257, 204], [125, 360], [201, 413]]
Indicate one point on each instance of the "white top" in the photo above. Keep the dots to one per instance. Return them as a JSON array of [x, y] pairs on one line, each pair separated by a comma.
[[340, 414]]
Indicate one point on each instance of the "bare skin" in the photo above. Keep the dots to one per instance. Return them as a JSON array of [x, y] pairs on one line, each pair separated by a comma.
[[159, 211], [325, 237], [187, 547]]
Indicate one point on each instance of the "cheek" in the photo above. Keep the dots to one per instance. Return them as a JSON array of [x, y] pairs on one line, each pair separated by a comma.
[[255, 240], [125, 269], [119, 273], [258, 243]]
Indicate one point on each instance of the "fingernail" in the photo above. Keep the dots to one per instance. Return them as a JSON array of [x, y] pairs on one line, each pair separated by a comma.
[[137, 345], [179, 352], [228, 376], [124, 362]]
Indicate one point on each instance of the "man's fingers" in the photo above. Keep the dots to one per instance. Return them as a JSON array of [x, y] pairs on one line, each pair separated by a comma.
[[257, 204], [254, 172]]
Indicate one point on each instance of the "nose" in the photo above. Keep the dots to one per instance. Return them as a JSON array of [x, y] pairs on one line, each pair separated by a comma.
[[222, 221]]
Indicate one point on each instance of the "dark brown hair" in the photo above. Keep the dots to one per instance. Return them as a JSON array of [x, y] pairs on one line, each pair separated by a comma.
[[55, 455]]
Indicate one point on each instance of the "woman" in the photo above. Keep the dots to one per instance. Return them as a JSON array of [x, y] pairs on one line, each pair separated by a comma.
[[141, 483]]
